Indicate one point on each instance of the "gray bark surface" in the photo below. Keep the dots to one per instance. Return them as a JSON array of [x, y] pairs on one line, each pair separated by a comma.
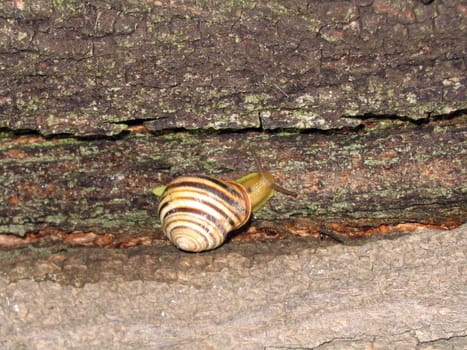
[[405, 293]]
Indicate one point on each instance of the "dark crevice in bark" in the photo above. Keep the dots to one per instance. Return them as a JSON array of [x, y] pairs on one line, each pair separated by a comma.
[[347, 102], [429, 118]]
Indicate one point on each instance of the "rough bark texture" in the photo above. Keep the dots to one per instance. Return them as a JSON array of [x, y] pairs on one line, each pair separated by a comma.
[[402, 294], [357, 105], [408, 174], [113, 86], [89, 68]]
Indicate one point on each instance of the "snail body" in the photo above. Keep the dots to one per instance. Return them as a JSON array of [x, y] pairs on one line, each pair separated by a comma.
[[198, 212]]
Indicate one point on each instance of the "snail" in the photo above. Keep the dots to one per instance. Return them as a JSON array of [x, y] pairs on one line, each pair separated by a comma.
[[198, 212]]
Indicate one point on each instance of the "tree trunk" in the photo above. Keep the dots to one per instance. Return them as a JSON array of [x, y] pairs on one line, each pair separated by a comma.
[[359, 106], [400, 294]]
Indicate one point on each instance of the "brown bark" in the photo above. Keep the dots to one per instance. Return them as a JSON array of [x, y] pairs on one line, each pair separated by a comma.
[[90, 68], [385, 176], [371, 95]]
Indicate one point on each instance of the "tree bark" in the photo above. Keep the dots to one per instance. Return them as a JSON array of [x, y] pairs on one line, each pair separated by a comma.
[[405, 294], [359, 106], [90, 68], [367, 178]]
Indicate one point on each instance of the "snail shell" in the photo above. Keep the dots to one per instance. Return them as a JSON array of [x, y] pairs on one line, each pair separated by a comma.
[[198, 212]]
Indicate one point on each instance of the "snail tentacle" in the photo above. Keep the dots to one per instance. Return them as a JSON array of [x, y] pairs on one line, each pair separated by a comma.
[[198, 212]]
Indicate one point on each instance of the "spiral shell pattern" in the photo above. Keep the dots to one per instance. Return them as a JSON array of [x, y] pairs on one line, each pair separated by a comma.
[[197, 212]]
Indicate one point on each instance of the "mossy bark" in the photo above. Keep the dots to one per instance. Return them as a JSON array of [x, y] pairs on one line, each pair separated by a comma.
[[358, 106], [93, 67], [385, 175]]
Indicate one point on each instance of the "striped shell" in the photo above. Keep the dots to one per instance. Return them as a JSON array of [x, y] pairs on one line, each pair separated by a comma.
[[197, 212]]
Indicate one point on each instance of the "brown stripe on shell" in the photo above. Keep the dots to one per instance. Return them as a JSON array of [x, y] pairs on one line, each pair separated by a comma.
[[204, 209], [202, 188], [207, 184], [193, 232], [194, 212], [214, 206]]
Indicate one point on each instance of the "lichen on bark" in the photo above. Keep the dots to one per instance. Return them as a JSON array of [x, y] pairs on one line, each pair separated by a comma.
[[359, 106], [89, 68]]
